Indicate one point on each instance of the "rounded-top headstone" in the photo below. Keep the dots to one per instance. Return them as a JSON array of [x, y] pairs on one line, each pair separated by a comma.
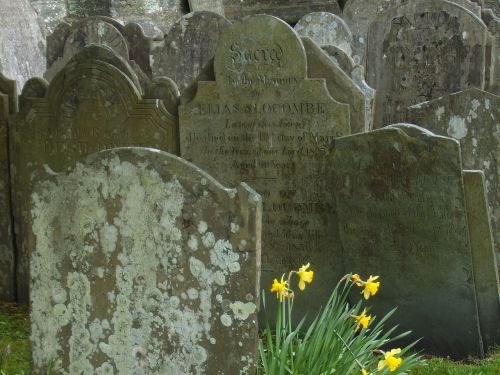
[[274, 52], [326, 29]]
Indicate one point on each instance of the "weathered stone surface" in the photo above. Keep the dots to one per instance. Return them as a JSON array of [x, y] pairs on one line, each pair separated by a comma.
[[492, 77], [420, 51], [326, 29], [483, 258], [340, 86], [166, 90], [402, 215], [22, 43], [473, 118], [263, 122], [84, 33], [289, 10], [139, 46], [50, 13], [143, 263], [90, 106], [188, 46], [8, 105], [216, 6]]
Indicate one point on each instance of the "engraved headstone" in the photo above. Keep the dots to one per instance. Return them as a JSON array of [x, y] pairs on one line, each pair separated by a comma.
[[483, 258], [473, 118], [288, 10], [187, 47], [326, 29], [143, 263], [263, 122], [402, 215], [8, 106], [414, 51], [90, 106]]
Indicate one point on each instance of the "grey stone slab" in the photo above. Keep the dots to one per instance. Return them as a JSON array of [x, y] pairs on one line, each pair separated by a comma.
[[166, 90], [492, 81], [414, 51], [288, 10], [216, 6], [187, 47], [340, 86], [326, 29], [483, 258], [263, 122], [90, 105], [8, 105], [50, 13], [473, 118], [22, 43], [143, 263], [402, 216]]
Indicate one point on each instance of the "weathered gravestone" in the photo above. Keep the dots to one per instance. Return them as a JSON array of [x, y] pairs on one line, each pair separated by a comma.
[[492, 79], [420, 51], [8, 106], [326, 29], [402, 215], [288, 10], [473, 118], [483, 258], [263, 122], [89, 106], [22, 43], [187, 47], [216, 6], [143, 263]]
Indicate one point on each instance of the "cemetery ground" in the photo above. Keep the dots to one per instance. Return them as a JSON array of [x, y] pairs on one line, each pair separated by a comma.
[[14, 341]]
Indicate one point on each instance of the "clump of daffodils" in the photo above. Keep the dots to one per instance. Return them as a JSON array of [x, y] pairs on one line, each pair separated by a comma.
[[348, 333]]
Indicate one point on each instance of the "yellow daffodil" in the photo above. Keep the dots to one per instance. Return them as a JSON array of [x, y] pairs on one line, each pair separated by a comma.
[[363, 320], [371, 287], [390, 360], [305, 276], [364, 372], [280, 288], [356, 279]]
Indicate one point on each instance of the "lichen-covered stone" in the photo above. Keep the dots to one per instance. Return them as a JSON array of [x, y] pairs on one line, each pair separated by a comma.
[[403, 216], [216, 6], [473, 118], [483, 258], [143, 264], [420, 51], [89, 106], [187, 47], [263, 122], [8, 106]]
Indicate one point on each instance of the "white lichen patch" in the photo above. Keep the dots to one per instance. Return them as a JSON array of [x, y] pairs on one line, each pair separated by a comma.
[[242, 310], [226, 320], [457, 127]]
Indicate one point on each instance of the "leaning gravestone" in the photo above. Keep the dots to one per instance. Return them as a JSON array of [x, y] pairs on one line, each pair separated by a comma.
[[483, 258], [473, 118], [288, 10], [402, 215], [89, 106], [187, 47], [150, 266], [326, 29], [8, 106], [414, 51], [263, 122]]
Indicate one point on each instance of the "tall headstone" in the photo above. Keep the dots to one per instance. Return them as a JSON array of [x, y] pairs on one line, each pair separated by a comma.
[[326, 29], [402, 215], [143, 263], [263, 122], [483, 258], [420, 51], [188, 46], [8, 106], [90, 105], [22, 43], [288, 10], [473, 118]]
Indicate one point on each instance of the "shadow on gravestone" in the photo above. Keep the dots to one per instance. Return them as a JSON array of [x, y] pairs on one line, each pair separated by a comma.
[[8, 106], [152, 265], [187, 47], [89, 106], [414, 51], [263, 122], [473, 118], [402, 215]]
